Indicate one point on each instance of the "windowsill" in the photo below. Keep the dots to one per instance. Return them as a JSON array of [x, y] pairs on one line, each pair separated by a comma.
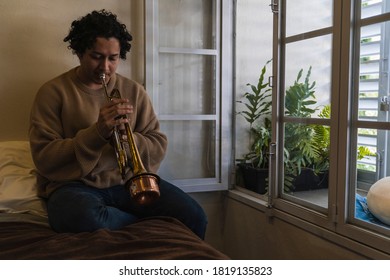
[[251, 199]]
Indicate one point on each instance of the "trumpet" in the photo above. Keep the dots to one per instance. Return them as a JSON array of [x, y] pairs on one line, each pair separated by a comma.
[[143, 185]]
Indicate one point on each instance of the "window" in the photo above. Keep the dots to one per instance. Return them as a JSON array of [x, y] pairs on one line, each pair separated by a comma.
[[373, 90], [330, 109], [370, 127], [186, 80], [305, 128], [330, 97]]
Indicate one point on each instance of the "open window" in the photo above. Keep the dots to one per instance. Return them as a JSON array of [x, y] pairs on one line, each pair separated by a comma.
[[330, 112], [370, 112], [188, 78]]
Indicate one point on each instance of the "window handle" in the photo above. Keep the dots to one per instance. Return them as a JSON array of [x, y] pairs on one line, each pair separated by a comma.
[[274, 6], [385, 104], [271, 152], [271, 81]]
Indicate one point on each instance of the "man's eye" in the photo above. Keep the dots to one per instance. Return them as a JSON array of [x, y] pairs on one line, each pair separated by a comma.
[[113, 58]]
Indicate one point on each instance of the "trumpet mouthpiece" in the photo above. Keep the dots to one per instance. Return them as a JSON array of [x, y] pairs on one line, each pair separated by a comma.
[[102, 76]]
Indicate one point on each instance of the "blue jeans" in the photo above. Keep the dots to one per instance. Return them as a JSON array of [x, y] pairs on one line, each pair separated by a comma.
[[76, 207]]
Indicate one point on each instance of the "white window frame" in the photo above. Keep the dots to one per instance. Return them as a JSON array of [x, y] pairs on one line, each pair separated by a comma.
[[223, 114]]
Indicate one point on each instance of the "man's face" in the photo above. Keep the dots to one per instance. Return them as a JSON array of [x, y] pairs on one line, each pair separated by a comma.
[[103, 57]]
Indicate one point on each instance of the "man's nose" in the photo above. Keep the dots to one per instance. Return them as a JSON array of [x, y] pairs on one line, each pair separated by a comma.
[[104, 64]]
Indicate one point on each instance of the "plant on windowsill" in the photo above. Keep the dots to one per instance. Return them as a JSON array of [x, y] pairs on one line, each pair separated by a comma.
[[307, 146], [254, 165]]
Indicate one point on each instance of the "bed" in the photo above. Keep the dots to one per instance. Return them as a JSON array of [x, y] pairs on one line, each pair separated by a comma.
[[25, 233]]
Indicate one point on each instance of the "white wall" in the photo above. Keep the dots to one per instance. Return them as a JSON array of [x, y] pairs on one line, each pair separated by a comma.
[[32, 51]]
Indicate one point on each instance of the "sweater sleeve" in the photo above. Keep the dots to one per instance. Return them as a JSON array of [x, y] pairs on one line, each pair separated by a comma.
[[150, 141]]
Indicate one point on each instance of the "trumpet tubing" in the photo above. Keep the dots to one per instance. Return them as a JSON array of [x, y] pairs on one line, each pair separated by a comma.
[[143, 185]]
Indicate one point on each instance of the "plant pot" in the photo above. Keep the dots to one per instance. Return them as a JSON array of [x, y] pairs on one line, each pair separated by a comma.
[[255, 179], [308, 180]]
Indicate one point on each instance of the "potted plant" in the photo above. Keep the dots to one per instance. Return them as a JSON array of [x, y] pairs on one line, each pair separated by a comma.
[[306, 150], [257, 113], [306, 147], [307, 163]]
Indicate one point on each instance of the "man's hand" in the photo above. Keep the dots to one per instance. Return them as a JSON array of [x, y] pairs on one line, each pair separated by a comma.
[[114, 113]]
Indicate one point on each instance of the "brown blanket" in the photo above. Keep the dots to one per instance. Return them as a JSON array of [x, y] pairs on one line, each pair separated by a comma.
[[157, 238]]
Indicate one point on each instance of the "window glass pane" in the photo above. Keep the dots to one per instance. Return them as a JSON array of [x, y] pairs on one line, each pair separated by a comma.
[[298, 20], [187, 84], [373, 88], [367, 166], [372, 164], [372, 8], [307, 95], [310, 59], [306, 163], [190, 26], [191, 149], [253, 48]]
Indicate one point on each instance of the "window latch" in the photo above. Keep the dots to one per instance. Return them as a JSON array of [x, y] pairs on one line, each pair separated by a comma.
[[274, 6], [385, 104]]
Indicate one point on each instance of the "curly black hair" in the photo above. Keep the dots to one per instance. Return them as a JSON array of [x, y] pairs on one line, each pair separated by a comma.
[[84, 31]]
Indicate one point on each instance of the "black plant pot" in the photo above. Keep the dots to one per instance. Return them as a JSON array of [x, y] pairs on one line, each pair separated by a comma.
[[308, 180], [255, 179]]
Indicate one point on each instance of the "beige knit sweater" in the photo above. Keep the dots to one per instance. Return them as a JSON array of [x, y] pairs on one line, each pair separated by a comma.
[[65, 143]]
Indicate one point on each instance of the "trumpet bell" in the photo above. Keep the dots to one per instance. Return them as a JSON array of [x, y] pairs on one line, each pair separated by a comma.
[[144, 188]]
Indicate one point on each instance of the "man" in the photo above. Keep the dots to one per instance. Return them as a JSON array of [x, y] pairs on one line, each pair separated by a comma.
[[71, 126]]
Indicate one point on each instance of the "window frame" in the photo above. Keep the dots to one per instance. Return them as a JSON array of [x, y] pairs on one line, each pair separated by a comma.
[[309, 212], [341, 202], [223, 57], [335, 224], [365, 232]]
